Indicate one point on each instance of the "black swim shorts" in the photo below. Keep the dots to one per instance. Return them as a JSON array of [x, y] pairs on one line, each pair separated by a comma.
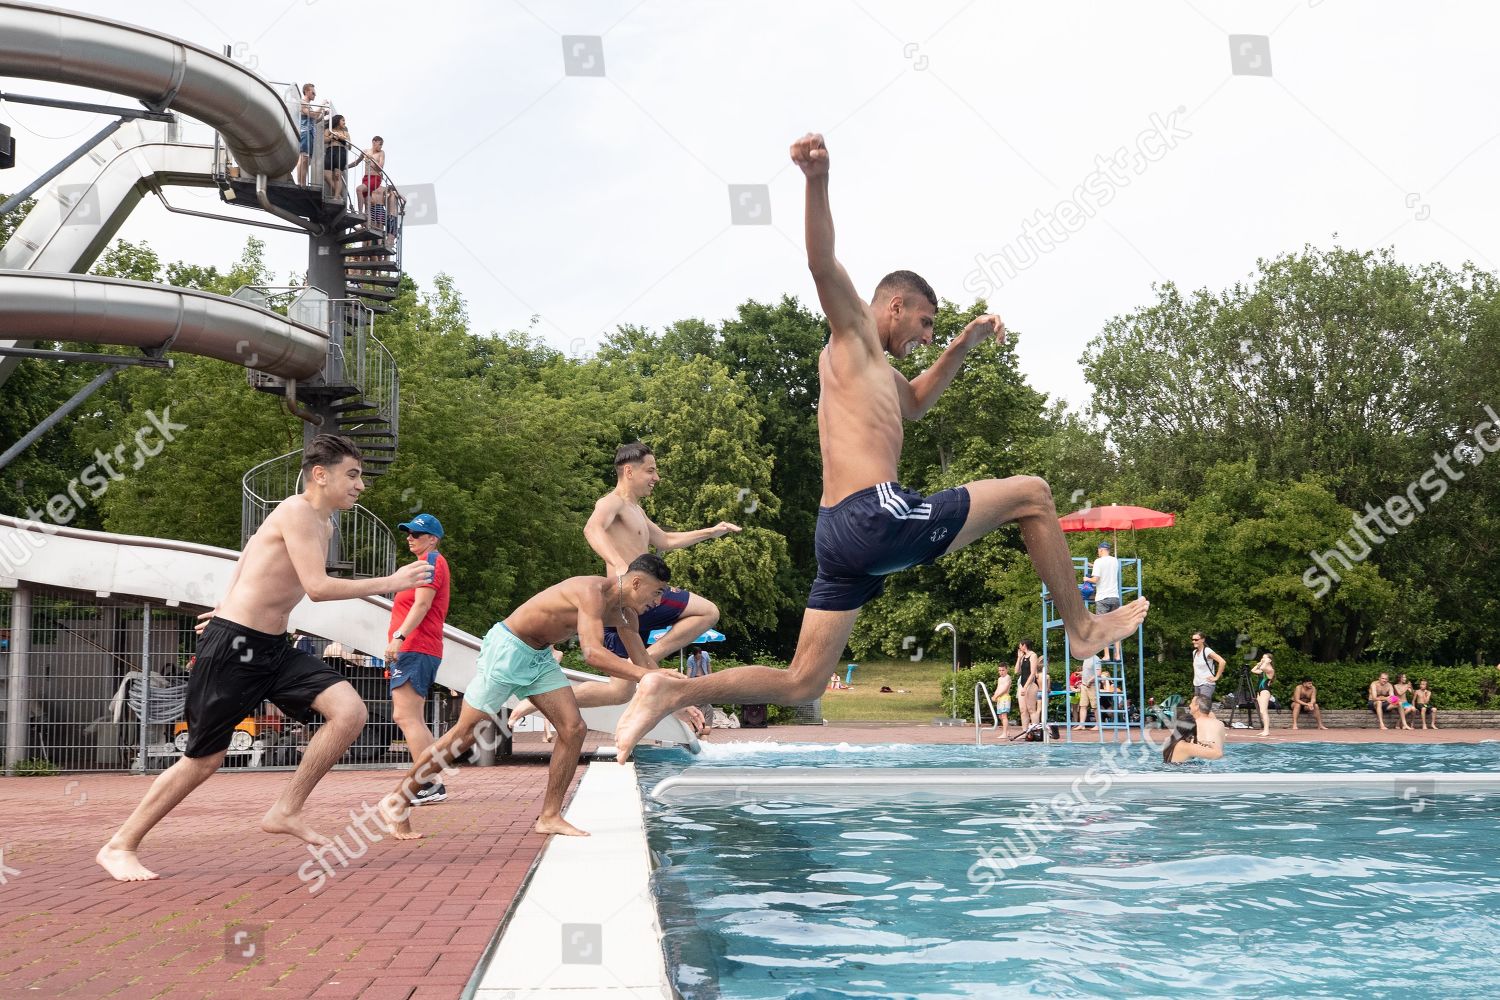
[[237, 668]]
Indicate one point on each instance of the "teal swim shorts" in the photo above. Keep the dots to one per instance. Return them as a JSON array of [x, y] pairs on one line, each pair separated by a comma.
[[507, 666]]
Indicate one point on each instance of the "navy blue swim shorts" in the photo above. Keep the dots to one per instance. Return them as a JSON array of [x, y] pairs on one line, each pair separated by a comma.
[[878, 531]]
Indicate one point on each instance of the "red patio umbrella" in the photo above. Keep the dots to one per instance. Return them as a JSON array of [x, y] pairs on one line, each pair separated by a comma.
[[1113, 518]]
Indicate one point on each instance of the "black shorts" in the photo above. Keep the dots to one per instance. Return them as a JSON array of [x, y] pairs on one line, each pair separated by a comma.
[[236, 669], [878, 531]]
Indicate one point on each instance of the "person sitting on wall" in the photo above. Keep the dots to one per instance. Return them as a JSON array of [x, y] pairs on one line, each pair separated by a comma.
[[1305, 699]]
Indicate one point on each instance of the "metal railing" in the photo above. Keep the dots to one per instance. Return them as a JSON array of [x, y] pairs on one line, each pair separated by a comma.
[[361, 544], [105, 681], [356, 357], [978, 687]]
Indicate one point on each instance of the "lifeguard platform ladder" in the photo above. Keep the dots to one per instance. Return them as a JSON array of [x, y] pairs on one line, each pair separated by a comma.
[[1114, 717]]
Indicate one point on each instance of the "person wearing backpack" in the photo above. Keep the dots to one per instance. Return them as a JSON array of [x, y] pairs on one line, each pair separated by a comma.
[[1205, 676]]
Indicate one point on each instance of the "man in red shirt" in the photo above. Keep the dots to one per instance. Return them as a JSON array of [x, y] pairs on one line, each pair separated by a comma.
[[414, 644]]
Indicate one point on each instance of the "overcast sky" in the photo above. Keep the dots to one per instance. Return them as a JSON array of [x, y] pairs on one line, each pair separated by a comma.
[[590, 201]]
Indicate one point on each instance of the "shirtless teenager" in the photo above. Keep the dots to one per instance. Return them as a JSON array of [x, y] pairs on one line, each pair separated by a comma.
[[619, 531], [1200, 736], [1305, 699], [516, 658], [868, 525], [244, 658]]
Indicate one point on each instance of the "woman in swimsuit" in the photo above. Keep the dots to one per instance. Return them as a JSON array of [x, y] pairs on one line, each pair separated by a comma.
[[336, 156], [1196, 735], [1267, 674], [1403, 692]]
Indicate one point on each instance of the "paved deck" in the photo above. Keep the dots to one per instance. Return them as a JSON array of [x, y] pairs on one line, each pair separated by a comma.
[[403, 921]]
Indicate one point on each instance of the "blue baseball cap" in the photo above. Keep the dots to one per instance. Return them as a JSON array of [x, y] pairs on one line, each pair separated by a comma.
[[1102, 545], [425, 524]]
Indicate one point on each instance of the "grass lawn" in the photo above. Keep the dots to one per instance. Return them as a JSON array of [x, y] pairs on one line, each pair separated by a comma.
[[922, 701]]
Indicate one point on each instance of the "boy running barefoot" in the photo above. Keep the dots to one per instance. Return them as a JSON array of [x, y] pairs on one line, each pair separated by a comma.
[[517, 659], [244, 657]]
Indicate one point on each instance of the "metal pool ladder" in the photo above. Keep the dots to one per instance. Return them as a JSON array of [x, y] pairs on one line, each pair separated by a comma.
[[978, 687]]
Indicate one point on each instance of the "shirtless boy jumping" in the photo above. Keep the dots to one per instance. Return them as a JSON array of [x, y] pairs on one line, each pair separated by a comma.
[[619, 531], [516, 659], [869, 526], [244, 657]]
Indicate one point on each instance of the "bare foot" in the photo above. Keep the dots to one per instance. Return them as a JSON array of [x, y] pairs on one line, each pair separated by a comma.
[[1294, 729], [1382, 725], [1321, 726], [1097, 631], [651, 704], [292, 825], [558, 825], [520, 712], [1262, 734], [123, 865], [395, 812]]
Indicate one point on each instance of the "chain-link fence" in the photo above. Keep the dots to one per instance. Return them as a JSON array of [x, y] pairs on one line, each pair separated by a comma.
[[98, 684]]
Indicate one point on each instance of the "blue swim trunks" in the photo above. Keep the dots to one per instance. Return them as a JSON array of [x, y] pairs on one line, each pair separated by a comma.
[[878, 531], [507, 666], [664, 615], [416, 669]]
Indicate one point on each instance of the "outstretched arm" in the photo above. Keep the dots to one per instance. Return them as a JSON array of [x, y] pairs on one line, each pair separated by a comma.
[[591, 640], [848, 316], [666, 541], [918, 395], [304, 546]]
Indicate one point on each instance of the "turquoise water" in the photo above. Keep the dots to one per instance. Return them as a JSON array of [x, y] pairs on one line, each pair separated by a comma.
[[1243, 895]]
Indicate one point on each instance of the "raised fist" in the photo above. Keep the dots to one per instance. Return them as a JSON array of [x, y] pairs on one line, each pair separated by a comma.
[[811, 155]]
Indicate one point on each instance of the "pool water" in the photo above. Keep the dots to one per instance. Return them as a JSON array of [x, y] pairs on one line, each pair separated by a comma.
[[1252, 895]]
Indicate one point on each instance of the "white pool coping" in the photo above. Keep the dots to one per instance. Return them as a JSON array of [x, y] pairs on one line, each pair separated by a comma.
[[585, 927], [940, 784]]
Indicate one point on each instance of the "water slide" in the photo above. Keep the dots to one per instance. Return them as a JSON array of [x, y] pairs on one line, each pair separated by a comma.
[[79, 211], [185, 573], [42, 296]]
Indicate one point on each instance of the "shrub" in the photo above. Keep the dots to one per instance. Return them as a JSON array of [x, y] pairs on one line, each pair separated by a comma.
[[34, 767]]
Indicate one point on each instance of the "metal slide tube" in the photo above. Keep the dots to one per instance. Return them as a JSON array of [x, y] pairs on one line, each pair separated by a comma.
[[138, 314], [46, 43]]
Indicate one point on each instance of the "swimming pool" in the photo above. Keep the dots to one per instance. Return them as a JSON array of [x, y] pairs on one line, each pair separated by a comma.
[[1250, 894]]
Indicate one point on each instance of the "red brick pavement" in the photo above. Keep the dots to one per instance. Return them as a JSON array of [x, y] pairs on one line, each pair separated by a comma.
[[403, 921]]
